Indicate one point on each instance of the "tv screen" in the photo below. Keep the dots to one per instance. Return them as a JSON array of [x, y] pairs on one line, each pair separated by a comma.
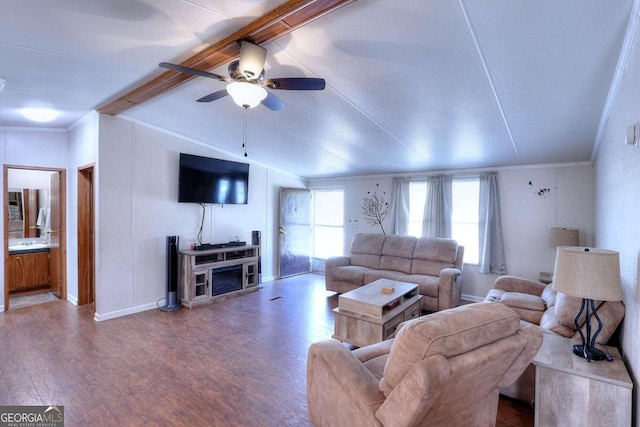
[[208, 180]]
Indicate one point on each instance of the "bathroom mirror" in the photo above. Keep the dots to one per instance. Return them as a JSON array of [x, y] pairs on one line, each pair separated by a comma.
[[28, 200], [16, 216], [28, 212]]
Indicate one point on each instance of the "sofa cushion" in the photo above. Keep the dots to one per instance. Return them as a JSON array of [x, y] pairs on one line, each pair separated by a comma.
[[432, 268], [549, 296], [432, 254], [566, 309], [526, 301], [449, 333], [373, 275], [397, 252], [550, 322], [427, 285], [367, 243], [366, 249], [529, 307], [436, 249], [611, 313], [374, 357], [365, 260]]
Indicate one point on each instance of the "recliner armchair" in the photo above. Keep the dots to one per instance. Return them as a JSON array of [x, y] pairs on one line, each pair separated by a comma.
[[445, 368], [554, 312]]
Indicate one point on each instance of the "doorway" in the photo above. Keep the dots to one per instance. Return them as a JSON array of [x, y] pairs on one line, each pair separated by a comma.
[[86, 232], [35, 235], [295, 232]]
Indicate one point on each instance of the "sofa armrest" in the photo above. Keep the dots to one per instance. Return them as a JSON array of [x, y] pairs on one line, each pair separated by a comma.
[[448, 288], [329, 265], [339, 387], [337, 261], [412, 398], [519, 284]]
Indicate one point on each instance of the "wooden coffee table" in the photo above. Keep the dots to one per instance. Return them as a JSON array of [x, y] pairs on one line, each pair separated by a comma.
[[367, 316]]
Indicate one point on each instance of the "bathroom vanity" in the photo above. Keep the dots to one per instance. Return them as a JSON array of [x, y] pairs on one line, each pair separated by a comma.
[[28, 268]]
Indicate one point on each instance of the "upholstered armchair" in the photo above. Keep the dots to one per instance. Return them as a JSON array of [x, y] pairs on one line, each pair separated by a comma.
[[442, 369], [554, 312]]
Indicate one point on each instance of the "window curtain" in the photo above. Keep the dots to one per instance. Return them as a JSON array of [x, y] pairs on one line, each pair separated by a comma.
[[491, 255], [400, 205], [436, 221]]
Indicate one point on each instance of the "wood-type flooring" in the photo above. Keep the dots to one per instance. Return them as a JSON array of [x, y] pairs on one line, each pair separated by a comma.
[[238, 362]]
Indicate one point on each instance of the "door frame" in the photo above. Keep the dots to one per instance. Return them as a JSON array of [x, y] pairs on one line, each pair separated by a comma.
[[86, 235], [63, 222]]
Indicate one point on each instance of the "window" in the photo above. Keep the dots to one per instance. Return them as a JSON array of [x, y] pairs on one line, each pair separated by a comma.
[[464, 215], [328, 223], [417, 199]]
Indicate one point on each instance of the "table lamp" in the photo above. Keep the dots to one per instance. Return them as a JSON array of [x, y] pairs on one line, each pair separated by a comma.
[[593, 275]]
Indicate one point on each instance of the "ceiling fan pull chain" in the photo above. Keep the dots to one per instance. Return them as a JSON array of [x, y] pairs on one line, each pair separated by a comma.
[[244, 131]]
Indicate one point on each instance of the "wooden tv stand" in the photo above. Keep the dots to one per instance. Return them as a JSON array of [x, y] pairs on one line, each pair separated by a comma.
[[198, 268]]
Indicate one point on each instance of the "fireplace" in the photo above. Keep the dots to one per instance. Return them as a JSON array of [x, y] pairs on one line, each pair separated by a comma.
[[226, 279]]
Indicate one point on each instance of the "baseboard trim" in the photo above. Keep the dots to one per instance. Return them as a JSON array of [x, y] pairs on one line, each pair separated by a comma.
[[127, 311]]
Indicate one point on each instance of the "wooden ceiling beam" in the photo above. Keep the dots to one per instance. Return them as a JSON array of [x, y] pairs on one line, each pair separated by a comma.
[[280, 21]]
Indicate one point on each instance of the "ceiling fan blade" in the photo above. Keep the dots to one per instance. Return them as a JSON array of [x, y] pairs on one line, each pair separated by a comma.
[[295, 83], [273, 103], [213, 96], [252, 59], [194, 72]]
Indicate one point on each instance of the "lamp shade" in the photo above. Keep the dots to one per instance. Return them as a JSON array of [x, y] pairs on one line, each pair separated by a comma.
[[588, 273], [247, 95], [564, 237]]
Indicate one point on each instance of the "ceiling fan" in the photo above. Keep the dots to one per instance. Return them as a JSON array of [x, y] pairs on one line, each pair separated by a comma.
[[246, 80]]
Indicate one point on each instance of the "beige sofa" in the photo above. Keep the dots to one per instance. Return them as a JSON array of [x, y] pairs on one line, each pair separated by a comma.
[[443, 369], [554, 312], [432, 263]]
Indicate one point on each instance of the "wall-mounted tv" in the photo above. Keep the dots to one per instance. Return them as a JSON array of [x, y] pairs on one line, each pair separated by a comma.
[[209, 180]]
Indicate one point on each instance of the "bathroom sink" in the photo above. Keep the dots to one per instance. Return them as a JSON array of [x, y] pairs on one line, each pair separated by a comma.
[[28, 246]]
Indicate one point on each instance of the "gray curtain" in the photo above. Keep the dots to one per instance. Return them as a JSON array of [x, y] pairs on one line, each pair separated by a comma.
[[400, 205], [491, 255], [436, 221]]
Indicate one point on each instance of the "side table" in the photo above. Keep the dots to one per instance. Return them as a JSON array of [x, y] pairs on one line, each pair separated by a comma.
[[573, 392]]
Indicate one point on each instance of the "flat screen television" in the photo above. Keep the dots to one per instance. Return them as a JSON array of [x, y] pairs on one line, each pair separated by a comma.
[[209, 180]]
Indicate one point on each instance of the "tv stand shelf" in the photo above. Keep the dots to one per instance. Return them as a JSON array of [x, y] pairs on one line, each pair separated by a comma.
[[211, 274]]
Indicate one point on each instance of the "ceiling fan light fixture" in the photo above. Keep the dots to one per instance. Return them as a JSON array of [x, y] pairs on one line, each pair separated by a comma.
[[247, 95]]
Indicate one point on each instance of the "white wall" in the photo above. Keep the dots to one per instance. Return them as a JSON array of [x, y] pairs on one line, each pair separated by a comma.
[[35, 148], [83, 146], [527, 217], [137, 183], [617, 203]]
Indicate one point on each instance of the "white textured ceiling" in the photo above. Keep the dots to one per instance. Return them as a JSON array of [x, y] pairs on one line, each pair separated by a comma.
[[412, 85]]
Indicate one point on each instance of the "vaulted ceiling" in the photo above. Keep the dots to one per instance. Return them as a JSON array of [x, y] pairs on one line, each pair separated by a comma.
[[412, 85]]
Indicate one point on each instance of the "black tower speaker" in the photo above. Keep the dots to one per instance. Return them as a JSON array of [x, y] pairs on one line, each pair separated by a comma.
[[256, 239], [172, 299]]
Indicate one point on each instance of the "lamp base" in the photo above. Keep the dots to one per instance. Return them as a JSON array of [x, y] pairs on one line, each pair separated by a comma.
[[592, 353]]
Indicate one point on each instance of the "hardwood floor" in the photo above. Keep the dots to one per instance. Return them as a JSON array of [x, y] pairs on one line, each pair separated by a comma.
[[241, 362]]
